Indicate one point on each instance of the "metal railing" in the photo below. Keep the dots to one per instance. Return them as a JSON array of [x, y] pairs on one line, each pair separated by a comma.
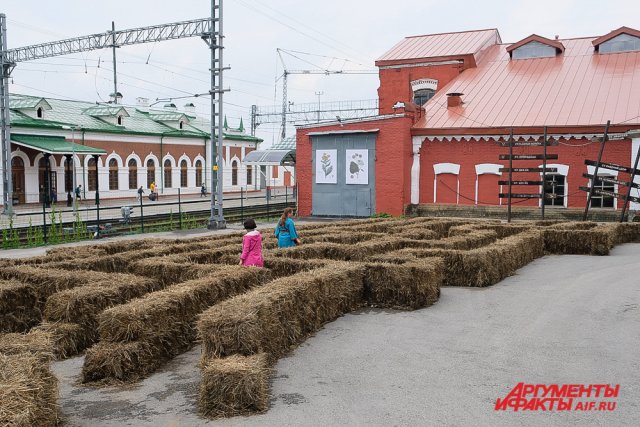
[[51, 221]]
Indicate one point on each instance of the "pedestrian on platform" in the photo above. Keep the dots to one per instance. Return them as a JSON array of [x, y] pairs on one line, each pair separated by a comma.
[[140, 193]]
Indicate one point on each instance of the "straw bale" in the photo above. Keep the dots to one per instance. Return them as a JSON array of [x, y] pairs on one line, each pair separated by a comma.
[[113, 362], [275, 318], [163, 311], [170, 269], [45, 281], [418, 234], [471, 240], [622, 232], [568, 241], [344, 237], [583, 225], [32, 343], [18, 311], [337, 252], [213, 255], [65, 339], [236, 385], [83, 304], [28, 392], [412, 285]]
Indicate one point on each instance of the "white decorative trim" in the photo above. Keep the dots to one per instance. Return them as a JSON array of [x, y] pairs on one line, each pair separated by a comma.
[[136, 158], [153, 157], [184, 157], [39, 156], [490, 168], [562, 169], [415, 170], [114, 155], [453, 168], [601, 171], [24, 157], [171, 159]]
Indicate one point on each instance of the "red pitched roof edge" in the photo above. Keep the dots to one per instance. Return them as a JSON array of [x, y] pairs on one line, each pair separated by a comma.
[[622, 30], [536, 38]]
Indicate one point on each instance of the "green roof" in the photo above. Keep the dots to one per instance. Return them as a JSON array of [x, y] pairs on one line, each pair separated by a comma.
[[53, 144], [105, 110], [27, 103], [75, 113], [168, 116]]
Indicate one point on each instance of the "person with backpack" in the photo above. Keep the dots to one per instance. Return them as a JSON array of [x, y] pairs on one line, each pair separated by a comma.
[[286, 230], [140, 193], [251, 246], [78, 191]]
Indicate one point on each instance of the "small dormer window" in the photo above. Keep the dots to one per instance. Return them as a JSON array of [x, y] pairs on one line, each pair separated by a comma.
[[40, 112], [534, 50], [119, 120], [621, 43]]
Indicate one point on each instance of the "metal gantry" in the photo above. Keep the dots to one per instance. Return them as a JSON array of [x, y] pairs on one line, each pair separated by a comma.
[[209, 29]]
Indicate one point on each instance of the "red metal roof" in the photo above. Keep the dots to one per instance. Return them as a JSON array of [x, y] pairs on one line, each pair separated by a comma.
[[440, 45], [577, 88], [536, 38]]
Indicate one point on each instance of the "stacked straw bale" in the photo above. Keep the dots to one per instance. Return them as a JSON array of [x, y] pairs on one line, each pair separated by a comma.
[[138, 337], [18, 310], [260, 326], [28, 391], [593, 241], [409, 286], [236, 385]]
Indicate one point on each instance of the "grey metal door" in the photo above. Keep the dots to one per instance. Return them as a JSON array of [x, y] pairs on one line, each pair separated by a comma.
[[342, 198]]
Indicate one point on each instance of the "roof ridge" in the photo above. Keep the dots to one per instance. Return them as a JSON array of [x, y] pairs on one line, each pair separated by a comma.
[[452, 32]]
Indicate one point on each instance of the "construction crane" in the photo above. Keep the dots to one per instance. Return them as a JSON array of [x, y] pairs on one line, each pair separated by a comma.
[[284, 77], [209, 29]]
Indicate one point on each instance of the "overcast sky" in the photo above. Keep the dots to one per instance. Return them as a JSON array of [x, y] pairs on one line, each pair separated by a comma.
[[342, 34]]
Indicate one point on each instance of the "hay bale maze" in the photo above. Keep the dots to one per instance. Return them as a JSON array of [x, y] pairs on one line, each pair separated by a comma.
[[131, 306]]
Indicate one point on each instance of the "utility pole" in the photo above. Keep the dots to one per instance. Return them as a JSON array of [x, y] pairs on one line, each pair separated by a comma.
[[215, 42], [319, 94], [6, 66], [115, 74]]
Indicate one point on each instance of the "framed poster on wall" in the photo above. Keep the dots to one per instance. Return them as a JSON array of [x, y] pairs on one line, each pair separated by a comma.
[[326, 167], [357, 167]]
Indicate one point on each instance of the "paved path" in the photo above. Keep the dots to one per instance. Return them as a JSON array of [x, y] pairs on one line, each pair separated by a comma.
[[561, 319]]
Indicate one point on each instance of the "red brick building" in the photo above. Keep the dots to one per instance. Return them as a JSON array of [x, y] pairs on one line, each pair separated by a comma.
[[448, 100]]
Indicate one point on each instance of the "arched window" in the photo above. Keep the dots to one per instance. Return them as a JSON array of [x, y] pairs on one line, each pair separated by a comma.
[[198, 173], [133, 174], [183, 174], [167, 173], [40, 113], [421, 96], [234, 173], [68, 174], [92, 179], [113, 174], [249, 175], [151, 172], [17, 176]]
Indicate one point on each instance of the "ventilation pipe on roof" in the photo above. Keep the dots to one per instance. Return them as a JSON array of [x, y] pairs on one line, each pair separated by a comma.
[[190, 108], [454, 99]]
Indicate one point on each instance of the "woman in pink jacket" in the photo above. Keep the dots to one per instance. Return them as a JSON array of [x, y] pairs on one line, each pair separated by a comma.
[[251, 246]]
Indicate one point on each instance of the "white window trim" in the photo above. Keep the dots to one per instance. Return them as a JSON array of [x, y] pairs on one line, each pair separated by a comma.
[[487, 169], [562, 170]]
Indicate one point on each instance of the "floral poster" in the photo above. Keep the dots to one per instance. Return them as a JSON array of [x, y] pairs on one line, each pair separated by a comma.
[[357, 164], [326, 167]]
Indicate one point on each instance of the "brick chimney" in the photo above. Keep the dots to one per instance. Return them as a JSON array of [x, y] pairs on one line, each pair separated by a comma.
[[454, 99]]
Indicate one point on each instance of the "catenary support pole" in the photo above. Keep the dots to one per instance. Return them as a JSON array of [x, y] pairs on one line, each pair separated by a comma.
[[5, 134], [216, 220]]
